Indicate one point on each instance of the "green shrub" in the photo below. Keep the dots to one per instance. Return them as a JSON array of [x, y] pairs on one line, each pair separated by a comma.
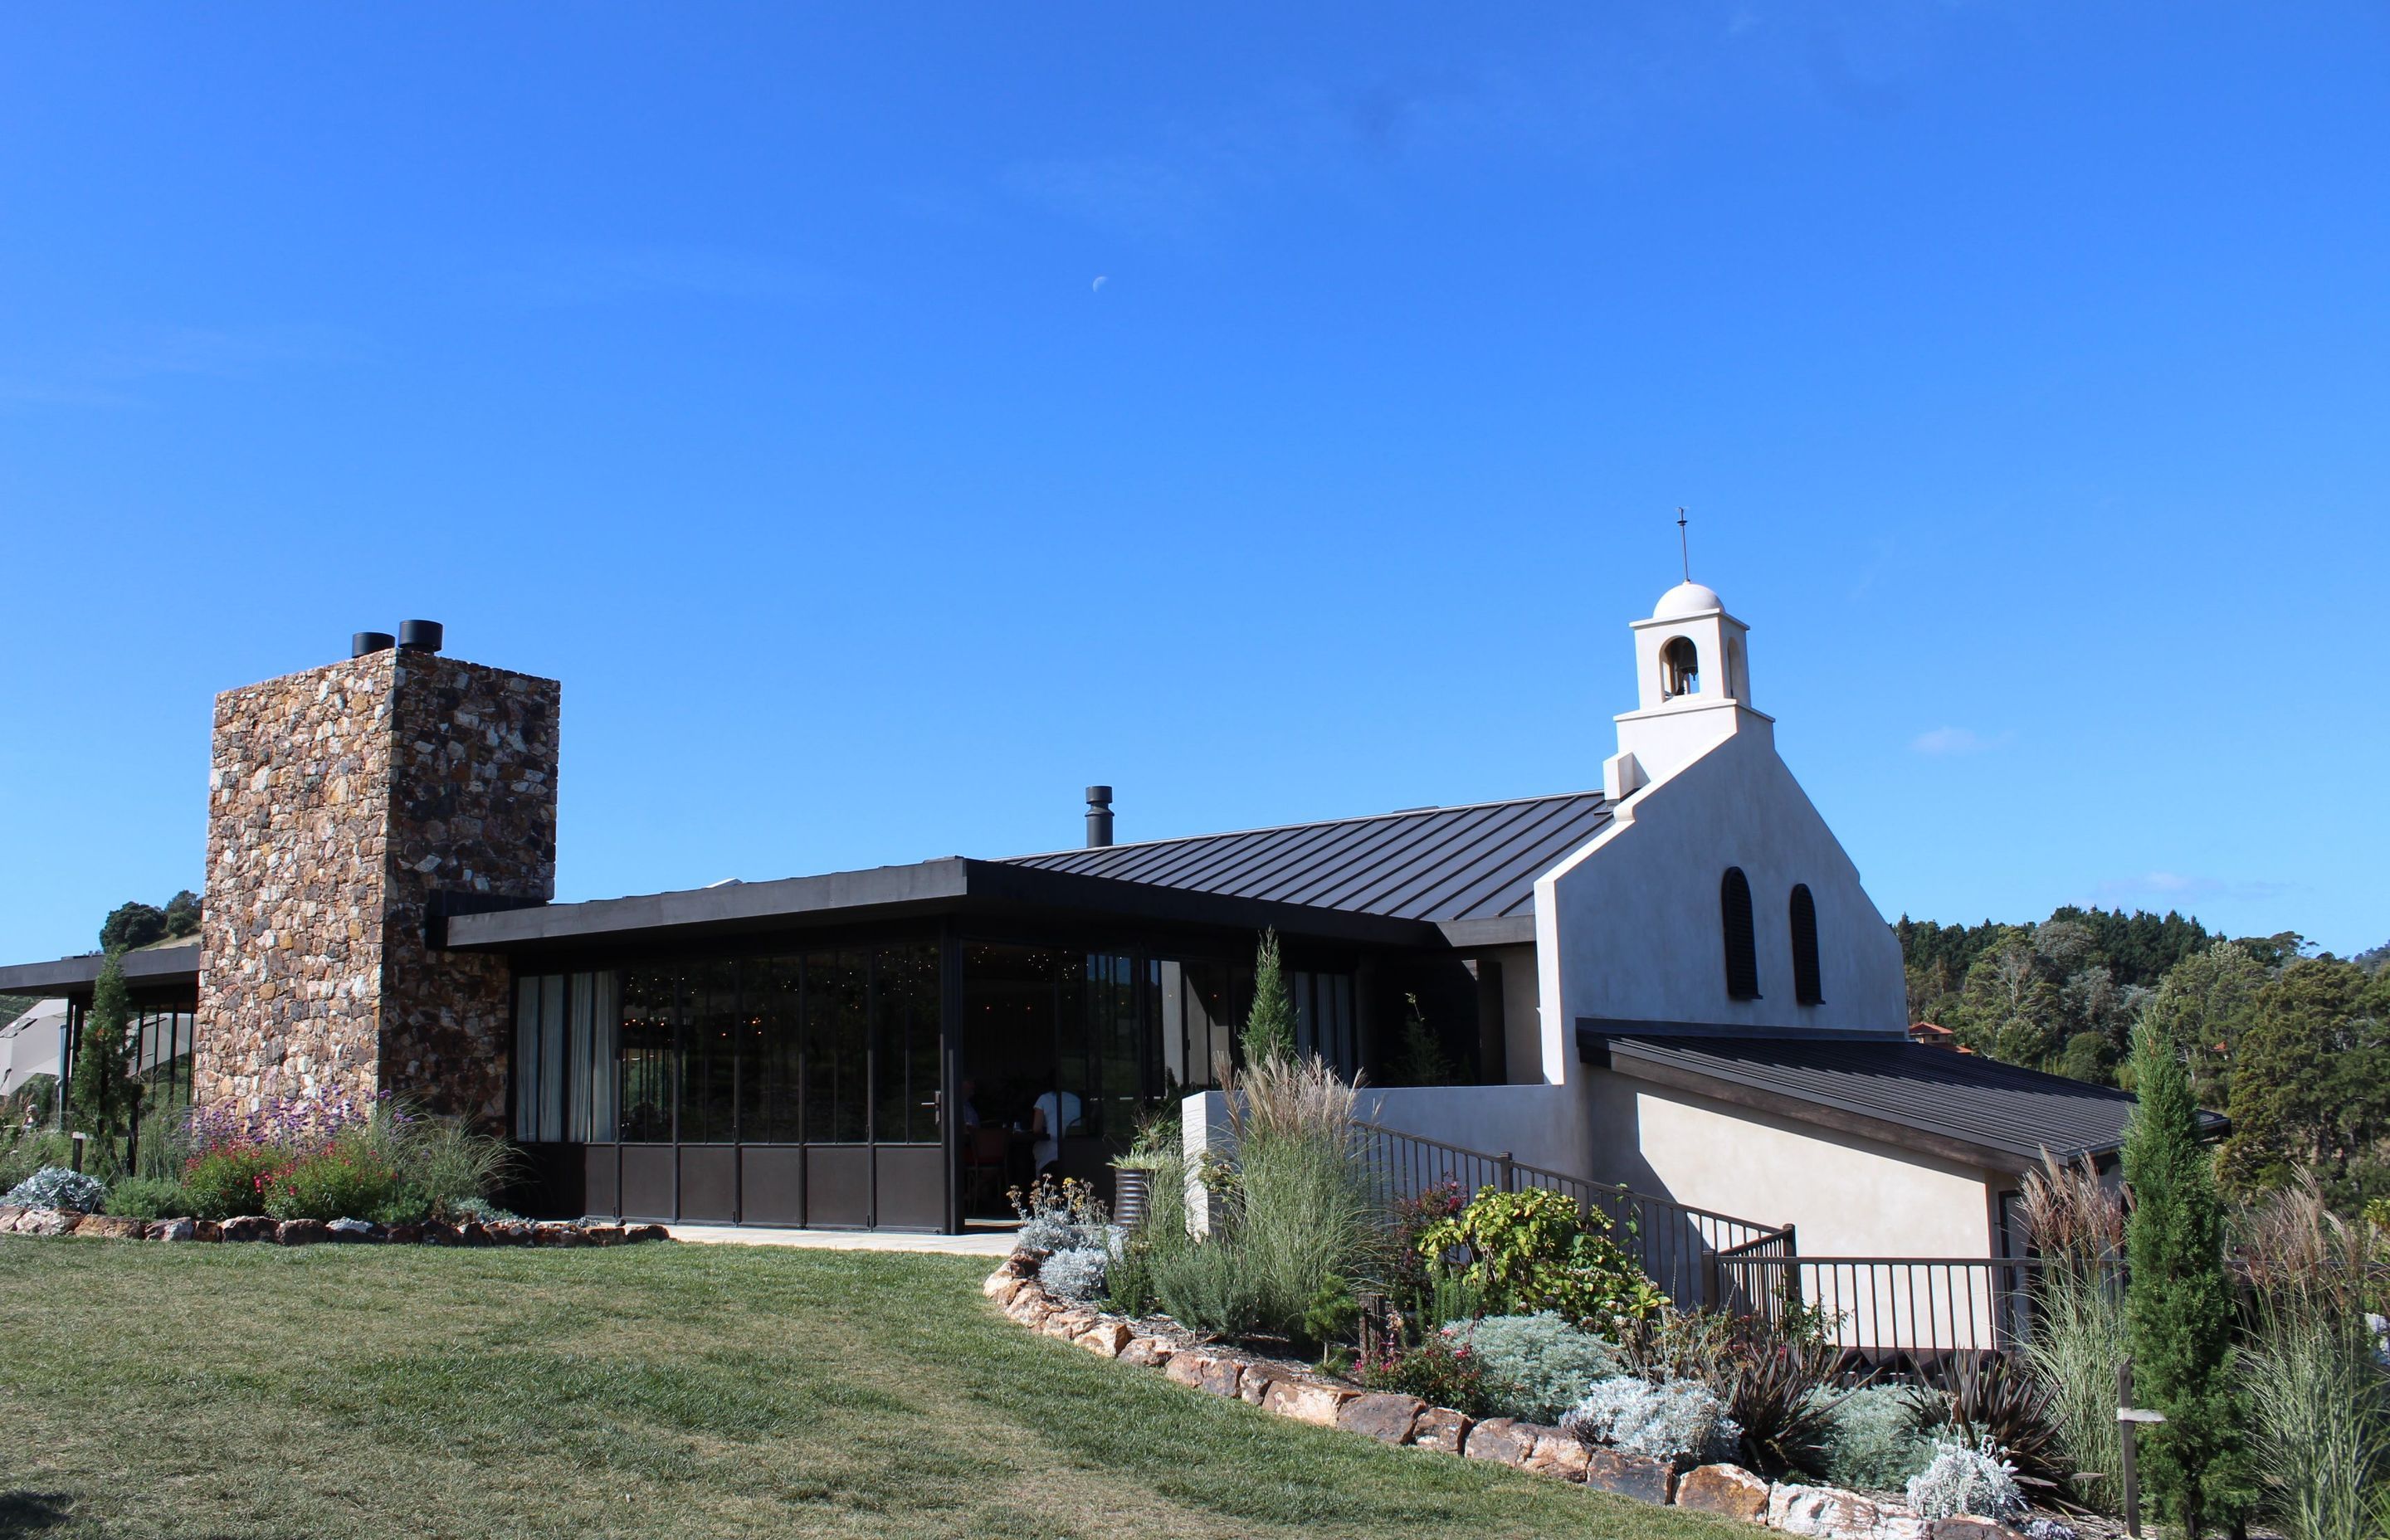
[[1537, 1366], [1874, 1444], [1442, 1370], [1536, 1250], [225, 1182], [448, 1163], [350, 1180], [147, 1197], [1208, 1287], [1299, 1218], [26, 1150]]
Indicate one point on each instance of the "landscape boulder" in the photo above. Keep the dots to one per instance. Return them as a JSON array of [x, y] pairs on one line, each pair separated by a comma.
[[1317, 1405], [646, 1232], [110, 1226], [404, 1235], [1105, 1338], [1630, 1475], [1442, 1428], [47, 1222], [207, 1229], [1387, 1418], [1555, 1453], [9, 1215], [350, 1231], [249, 1227], [1148, 1352], [1967, 1526], [603, 1235], [172, 1230], [1258, 1378], [1827, 1512], [1727, 1491], [1220, 1377], [1500, 1439], [301, 1232]]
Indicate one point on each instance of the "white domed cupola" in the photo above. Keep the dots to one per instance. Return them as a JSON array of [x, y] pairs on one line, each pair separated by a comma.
[[1693, 671]]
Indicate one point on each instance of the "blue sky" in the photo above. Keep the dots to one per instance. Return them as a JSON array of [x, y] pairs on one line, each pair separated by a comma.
[[887, 421]]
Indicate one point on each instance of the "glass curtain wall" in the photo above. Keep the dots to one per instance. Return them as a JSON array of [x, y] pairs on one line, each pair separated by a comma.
[[836, 1046], [1323, 1018]]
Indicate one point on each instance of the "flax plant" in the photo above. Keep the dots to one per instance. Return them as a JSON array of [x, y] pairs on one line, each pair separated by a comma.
[[2079, 1337]]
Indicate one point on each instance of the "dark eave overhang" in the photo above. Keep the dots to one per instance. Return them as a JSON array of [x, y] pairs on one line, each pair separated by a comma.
[[954, 885], [161, 968]]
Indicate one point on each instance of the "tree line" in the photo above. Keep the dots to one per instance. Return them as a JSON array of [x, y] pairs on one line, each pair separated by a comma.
[[2292, 1043]]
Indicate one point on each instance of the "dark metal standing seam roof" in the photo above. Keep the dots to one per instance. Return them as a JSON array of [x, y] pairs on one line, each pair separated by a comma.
[[1445, 864], [1959, 1103]]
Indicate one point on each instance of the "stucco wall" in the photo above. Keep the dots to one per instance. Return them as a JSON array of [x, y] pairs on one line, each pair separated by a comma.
[[1538, 1125], [1629, 928], [1846, 1196]]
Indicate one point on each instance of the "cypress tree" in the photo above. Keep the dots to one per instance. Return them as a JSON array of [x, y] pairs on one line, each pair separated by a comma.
[[100, 1091], [2179, 1307], [1269, 1026]]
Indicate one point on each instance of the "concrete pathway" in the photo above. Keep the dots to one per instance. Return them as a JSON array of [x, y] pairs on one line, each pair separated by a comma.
[[977, 1243]]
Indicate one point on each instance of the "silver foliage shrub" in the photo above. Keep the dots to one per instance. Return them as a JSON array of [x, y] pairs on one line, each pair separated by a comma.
[[1537, 1366], [1681, 1421], [1076, 1272], [56, 1187], [1960, 1480], [1874, 1445]]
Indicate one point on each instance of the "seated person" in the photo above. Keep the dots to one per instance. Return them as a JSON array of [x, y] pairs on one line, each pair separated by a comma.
[[1053, 1115]]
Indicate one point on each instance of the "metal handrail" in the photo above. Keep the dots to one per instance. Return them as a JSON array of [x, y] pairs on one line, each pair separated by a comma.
[[1920, 1309], [1675, 1243]]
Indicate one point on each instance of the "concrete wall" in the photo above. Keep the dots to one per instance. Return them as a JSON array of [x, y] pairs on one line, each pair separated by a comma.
[[1629, 928]]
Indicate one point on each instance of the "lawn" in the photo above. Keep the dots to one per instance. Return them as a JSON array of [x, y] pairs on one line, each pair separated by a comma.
[[662, 1390]]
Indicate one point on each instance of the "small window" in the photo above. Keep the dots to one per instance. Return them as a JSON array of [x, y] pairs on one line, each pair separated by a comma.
[[1680, 669], [1805, 987], [1741, 946]]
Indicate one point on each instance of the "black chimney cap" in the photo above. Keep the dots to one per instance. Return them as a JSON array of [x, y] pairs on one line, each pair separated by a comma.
[[420, 635], [1098, 795], [365, 642]]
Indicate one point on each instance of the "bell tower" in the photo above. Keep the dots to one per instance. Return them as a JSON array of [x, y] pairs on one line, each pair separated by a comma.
[[1692, 671]]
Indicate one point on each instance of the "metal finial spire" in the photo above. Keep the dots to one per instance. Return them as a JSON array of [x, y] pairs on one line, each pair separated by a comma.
[[1683, 550]]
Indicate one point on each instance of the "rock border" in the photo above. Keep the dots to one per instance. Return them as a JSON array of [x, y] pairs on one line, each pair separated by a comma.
[[311, 1232], [1288, 1391]]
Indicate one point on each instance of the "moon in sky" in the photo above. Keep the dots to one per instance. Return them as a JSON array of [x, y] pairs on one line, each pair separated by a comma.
[[1098, 287]]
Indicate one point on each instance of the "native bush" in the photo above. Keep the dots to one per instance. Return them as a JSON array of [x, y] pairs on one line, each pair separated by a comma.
[[1442, 1370], [1206, 1286], [26, 1150], [1772, 1370], [2079, 1336], [1682, 1421], [1537, 1250], [225, 1181], [444, 1159], [1076, 1274], [1873, 1445], [351, 1180], [1537, 1366], [1992, 1404], [1960, 1479], [56, 1187], [147, 1197], [1060, 1216], [2320, 1403], [1300, 1220]]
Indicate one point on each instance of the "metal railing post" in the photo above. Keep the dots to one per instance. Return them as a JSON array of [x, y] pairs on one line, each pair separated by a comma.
[[1509, 1170]]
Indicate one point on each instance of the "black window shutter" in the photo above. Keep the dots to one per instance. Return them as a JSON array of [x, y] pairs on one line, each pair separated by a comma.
[[1806, 986], [1741, 946]]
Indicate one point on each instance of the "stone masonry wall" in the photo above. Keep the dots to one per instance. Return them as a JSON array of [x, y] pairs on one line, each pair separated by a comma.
[[473, 813], [290, 935], [339, 801]]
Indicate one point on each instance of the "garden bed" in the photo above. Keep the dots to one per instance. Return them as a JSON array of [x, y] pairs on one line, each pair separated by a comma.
[[1306, 1395], [310, 1232]]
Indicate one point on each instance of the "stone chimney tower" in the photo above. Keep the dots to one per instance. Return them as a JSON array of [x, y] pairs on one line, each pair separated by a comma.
[[349, 808]]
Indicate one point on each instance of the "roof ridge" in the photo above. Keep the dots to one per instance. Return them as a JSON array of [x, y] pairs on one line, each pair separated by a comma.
[[1311, 823]]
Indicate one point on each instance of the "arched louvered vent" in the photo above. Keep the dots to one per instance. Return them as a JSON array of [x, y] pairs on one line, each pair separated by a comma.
[[1806, 986], [1741, 946]]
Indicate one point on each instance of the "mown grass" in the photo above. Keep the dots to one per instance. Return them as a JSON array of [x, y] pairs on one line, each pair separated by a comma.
[[675, 1390]]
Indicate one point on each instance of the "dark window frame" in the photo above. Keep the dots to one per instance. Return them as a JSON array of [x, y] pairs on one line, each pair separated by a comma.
[[1739, 934], [1808, 985]]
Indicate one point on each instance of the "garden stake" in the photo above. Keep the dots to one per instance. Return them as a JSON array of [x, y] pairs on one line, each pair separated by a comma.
[[2129, 1419]]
